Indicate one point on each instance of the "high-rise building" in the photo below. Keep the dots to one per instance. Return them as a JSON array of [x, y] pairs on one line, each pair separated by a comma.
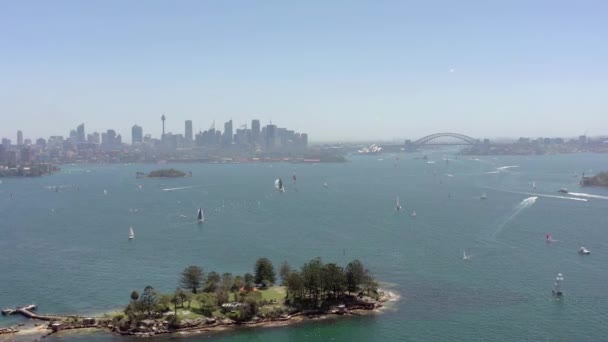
[[93, 138], [80, 136], [19, 138], [188, 133], [228, 133], [255, 131], [271, 136], [25, 155], [137, 136], [6, 142], [304, 139], [163, 118]]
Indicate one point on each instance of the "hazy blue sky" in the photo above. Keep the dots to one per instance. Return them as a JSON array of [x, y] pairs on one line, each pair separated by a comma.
[[335, 69]]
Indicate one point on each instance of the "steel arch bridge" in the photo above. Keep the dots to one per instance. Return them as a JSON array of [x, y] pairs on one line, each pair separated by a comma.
[[446, 139]]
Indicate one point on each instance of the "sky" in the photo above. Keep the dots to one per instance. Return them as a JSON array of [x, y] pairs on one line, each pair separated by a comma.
[[338, 70]]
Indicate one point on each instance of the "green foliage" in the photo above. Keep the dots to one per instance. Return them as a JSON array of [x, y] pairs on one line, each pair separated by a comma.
[[221, 296], [191, 278], [248, 277], [149, 300], [317, 283], [284, 272], [213, 279], [134, 295], [207, 303], [334, 279], [250, 306], [355, 273], [264, 271]]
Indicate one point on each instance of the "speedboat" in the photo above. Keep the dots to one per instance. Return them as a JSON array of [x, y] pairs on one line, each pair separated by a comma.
[[583, 251], [563, 190]]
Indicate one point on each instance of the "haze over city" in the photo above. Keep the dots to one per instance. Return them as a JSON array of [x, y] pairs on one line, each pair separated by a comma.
[[337, 70]]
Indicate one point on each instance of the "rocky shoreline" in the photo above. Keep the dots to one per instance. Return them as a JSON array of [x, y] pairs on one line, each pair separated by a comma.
[[155, 327]]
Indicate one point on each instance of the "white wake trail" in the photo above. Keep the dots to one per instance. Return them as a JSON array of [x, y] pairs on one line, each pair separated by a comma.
[[184, 187], [526, 203], [580, 194]]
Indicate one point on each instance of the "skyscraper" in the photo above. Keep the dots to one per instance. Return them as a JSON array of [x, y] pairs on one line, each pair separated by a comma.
[[228, 133], [255, 131], [271, 136], [80, 136], [188, 133], [137, 136], [19, 138], [162, 118]]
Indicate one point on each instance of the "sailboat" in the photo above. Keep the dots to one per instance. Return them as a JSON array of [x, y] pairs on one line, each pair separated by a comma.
[[414, 213], [278, 185], [397, 204], [325, 185], [484, 196], [533, 185], [557, 287], [105, 192], [201, 215], [465, 256], [131, 233]]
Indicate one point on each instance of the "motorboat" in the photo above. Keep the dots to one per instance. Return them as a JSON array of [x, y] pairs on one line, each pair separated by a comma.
[[584, 251], [563, 190]]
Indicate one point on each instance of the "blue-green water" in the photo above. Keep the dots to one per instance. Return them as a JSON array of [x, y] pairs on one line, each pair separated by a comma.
[[68, 251]]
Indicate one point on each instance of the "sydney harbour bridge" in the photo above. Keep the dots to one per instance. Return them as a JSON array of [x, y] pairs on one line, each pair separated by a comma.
[[437, 139]]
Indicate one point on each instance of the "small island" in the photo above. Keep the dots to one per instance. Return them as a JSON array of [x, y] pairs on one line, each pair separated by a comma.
[[204, 303], [600, 179], [167, 173]]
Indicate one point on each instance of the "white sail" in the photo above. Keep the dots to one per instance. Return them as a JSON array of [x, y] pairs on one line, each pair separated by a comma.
[[397, 204], [131, 233], [464, 255], [278, 185], [200, 215], [414, 213]]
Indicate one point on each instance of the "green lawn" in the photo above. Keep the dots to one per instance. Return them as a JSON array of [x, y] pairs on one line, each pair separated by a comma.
[[274, 292]]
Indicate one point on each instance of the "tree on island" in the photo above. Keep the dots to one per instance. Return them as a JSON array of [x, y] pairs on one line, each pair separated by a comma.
[[355, 274], [248, 277], [191, 278], [134, 295], [213, 279], [317, 284], [149, 300], [264, 272], [284, 272]]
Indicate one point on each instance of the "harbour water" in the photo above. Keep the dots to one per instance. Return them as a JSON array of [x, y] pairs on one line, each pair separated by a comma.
[[68, 250]]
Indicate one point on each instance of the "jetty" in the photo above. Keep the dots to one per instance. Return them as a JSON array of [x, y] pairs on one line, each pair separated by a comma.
[[27, 312]]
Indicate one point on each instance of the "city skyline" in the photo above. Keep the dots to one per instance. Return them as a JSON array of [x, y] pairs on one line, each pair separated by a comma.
[[339, 71]]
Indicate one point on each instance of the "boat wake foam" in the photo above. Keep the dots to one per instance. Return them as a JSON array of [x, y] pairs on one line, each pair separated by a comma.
[[526, 203], [579, 194], [503, 168], [183, 187]]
